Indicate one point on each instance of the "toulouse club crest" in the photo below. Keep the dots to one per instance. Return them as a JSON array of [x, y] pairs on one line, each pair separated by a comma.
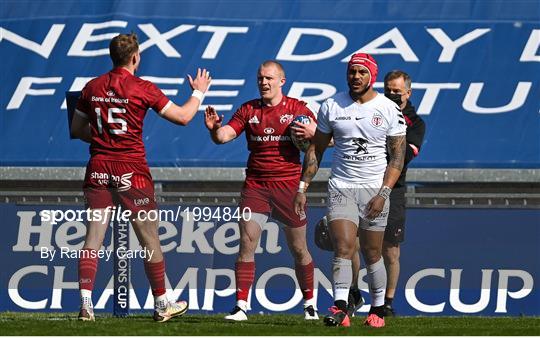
[[377, 120]]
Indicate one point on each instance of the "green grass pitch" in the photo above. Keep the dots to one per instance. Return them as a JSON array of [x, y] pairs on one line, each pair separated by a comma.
[[16, 323]]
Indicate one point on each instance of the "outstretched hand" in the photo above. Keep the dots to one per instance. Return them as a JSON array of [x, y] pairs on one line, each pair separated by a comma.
[[202, 80], [211, 119]]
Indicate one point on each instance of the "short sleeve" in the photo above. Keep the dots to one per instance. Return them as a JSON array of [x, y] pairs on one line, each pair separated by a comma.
[[323, 121], [304, 110], [155, 98], [238, 120], [398, 126]]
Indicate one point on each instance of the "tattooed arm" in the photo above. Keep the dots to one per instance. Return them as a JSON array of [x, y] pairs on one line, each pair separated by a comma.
[[396, 157], [312, 160]]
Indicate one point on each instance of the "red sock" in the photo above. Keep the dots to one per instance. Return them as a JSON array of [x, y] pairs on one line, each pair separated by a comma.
[[87, 269], [304, 275], [244, 275], [155, 272]]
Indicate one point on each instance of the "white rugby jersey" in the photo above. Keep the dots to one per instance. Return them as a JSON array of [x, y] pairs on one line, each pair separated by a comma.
[[359, 132]]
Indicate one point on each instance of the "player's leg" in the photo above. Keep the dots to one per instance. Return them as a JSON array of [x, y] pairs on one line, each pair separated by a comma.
[[391, 253], [343, 224], [371, 246], [282, 197], [250, 233], [393, 236], [343, 234], [88, 262], [355, 300], [154, 267], [371, 236], [254, 197], [99, 203], [145, 224], [303, 267]]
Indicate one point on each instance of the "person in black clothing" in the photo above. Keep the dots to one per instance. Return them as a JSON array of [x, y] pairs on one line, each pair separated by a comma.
[[397, 87]]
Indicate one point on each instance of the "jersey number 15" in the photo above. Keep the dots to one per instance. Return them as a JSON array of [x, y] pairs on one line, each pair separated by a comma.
[[111, 119]]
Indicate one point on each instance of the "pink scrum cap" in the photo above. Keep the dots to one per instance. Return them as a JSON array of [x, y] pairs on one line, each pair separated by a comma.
[[366, 61]]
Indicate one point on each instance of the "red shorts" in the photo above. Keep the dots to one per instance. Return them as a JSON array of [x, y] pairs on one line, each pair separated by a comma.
[[109, 183], [275, 198]]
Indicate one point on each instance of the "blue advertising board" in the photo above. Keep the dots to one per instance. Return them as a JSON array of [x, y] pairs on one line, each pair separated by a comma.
[[453, 262], [474, 66]]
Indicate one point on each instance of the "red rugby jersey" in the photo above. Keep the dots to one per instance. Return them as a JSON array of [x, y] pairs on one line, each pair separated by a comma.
[[115, 104], [272, 156]]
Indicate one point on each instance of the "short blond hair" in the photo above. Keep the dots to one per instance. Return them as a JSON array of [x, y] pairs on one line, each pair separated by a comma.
[[275, 63], [122, 48]]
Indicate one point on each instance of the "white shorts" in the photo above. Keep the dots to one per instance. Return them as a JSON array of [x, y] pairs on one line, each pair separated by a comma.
[[348, 201]]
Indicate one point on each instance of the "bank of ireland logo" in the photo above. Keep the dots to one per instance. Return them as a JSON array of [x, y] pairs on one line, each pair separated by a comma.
[[377, 120], [361, 145]]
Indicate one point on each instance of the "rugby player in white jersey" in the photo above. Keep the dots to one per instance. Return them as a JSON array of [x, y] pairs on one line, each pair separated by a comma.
[[366, 128]]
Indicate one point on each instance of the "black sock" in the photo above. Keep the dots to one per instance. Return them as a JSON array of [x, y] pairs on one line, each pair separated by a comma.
[[341, 304], [378, 310], [355, 292], [388, 301]]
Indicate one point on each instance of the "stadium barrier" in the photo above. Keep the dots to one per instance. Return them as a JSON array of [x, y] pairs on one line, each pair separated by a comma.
[[457, 261]]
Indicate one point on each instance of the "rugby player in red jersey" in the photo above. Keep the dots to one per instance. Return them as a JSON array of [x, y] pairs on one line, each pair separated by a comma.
[[109, 116], [272, 176]]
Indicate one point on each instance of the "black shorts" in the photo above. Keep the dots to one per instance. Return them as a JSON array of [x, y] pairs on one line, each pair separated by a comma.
[[395, 229]]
